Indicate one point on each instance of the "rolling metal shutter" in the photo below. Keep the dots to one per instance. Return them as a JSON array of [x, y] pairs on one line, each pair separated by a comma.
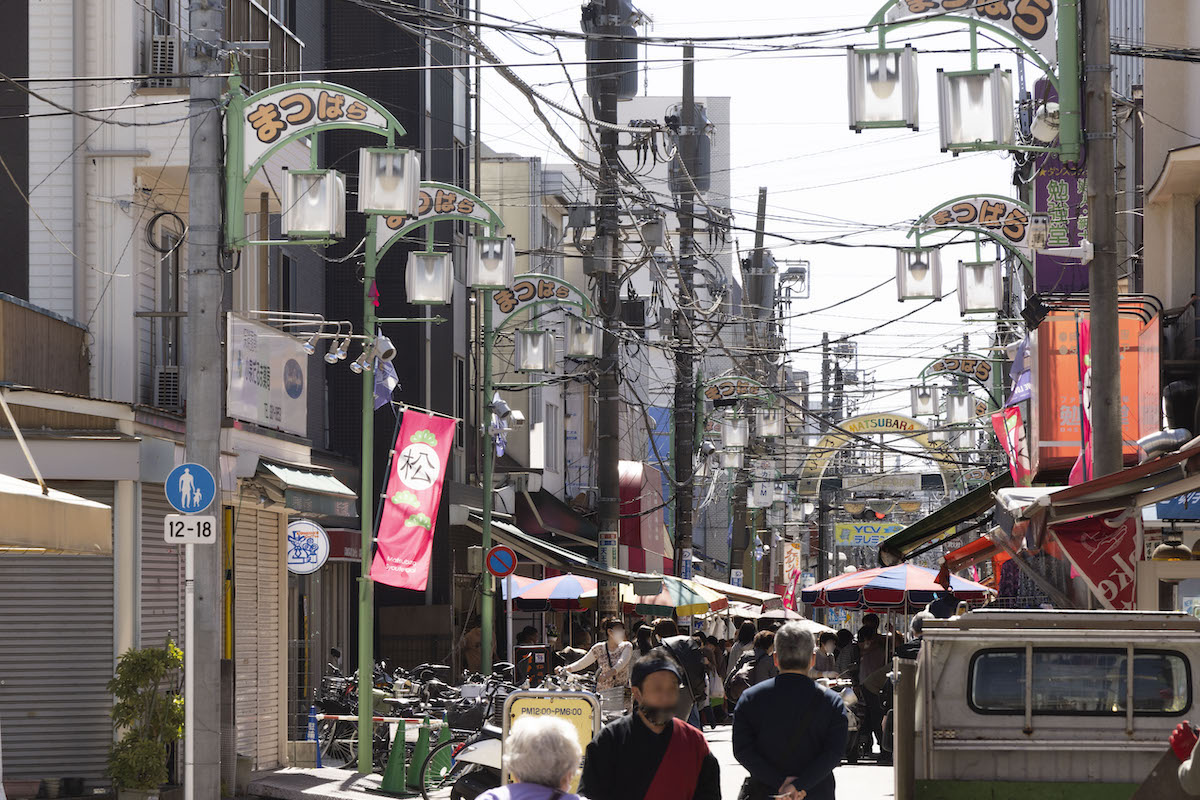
[[161, 582], [56, 657], [258, 564]]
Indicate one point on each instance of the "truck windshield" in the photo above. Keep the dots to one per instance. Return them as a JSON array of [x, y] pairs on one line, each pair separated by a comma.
[[1080, 681]]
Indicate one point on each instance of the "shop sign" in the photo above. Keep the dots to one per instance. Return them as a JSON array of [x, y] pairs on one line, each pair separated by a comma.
[[793, 557], [1182, 507], [301, 109], [1106, 556], [1010, 430], [1002, 216], [436, 202], [307, 547], [979, 369], [581, 710], [762, 490], [528, 290], [267, 376], [863, 534], [1033, 22], [733, 387], [1060, 191], [345, 545], [1056, 393]]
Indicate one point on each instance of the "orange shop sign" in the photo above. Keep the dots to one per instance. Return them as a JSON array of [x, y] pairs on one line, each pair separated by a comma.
[[1057, 401]]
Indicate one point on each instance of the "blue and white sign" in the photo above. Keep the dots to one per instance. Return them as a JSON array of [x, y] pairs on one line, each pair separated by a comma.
[[308, 547], [190, 489], [1181, 507]]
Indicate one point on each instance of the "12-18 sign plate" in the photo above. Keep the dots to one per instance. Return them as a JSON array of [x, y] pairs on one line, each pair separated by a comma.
[[189, 529]]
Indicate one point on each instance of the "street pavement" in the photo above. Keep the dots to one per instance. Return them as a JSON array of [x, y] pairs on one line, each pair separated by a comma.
[[859, 782]]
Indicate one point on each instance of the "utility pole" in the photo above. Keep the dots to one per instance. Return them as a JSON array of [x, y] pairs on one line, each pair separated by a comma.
[[685, 395], [205, 393], [1102, 227], [758, 293], [604, 253], [825, 375]]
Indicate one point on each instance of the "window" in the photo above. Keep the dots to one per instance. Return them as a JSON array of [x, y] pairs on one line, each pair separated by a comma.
[[161, 17], [249, 21], [1081, 681], [554, 436]]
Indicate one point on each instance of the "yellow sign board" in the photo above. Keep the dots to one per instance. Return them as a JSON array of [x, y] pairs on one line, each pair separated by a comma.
[[580, 709]]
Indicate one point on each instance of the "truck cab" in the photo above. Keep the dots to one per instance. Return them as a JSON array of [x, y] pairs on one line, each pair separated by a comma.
[[1001, 704]]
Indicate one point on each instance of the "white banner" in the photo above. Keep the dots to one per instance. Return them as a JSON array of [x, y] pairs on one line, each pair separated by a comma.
[[762, 491], [268, 377]]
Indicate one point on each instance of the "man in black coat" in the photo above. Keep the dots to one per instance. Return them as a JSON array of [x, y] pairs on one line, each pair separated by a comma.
[[789, 732]]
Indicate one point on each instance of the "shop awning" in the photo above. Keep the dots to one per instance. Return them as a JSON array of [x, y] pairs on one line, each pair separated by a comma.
[[546, 553], [753, 597], [1136, 487], [971, 554], [542, 513], [310, 490], [940, 526], [54, 522]]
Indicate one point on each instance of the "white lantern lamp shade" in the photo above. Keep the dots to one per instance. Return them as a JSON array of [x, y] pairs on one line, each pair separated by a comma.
[[534, 351], [960, 408], [314, 204], [980, 287], [584, 339], [976, 109], [918, 274], [731, 459], [429, 278], [735, 432], [389, 181], [936, 435], [925, 401], [490, 262], [769, 422], [883, 88]]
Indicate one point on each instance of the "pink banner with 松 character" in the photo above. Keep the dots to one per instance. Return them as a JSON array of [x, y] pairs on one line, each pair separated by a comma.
[[410, 506]]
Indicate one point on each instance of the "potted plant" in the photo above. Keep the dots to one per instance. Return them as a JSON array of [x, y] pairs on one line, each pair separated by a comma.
[[148, 713]]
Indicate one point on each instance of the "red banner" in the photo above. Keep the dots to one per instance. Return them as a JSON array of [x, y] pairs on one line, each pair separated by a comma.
[[414, 490], [1105, 554], [1082, 471], [1010, 430]]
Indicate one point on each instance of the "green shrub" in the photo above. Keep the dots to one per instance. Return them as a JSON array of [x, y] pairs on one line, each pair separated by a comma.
[[149, 712]]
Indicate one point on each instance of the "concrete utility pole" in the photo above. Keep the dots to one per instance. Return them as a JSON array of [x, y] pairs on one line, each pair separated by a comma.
[[685, 394], [205, 393], [605, 253], [1102, 230]]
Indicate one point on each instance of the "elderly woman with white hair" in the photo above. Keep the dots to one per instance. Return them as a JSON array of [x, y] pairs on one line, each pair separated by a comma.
[[542, 756]]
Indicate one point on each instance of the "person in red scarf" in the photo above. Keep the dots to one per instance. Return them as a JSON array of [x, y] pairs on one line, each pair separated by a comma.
[[650, 754]]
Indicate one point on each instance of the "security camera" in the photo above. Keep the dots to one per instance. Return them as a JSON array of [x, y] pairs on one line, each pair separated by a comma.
[[516, 419], [384, 349]]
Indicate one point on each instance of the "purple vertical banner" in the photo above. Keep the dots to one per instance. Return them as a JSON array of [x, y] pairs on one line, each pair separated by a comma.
[[1060, 190]]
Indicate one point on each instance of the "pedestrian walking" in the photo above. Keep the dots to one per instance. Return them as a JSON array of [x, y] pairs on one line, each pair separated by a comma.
[[872, 658], [542, 756], [745, 641], [788, 731], [613, 657], [650, 754], [824, 666], [846, 654], [691, 659]]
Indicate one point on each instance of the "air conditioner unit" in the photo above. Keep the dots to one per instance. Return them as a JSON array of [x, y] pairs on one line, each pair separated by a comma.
[[168, 393], [164, 60]]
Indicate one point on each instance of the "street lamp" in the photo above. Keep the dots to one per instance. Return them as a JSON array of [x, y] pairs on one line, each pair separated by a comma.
[[960, 408], [534, 351], [975, 109], [735, 432], [731, 459], [883, 88], [389, 181], [584, 339], [429, 278], [314, 204], [979, 287], [491, 261], [925, 401], [918, 274], [768, 422]]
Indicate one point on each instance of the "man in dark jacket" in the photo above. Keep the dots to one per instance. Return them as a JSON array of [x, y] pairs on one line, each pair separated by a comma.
[[693, 663], [650, 754], [788, 732]]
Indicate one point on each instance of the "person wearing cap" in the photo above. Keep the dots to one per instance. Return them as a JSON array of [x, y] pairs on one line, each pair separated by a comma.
[[650, 754]]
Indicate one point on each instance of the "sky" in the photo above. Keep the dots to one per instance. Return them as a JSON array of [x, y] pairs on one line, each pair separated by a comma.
[[790, 133]]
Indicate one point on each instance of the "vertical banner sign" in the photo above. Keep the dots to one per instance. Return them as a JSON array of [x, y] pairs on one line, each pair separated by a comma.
[[1059, 190], [1082, 471], [1106, 556], [414, 490], [1010, 430], [762, 491]]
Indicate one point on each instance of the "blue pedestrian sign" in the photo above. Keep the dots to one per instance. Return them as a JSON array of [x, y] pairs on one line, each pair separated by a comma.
[[190, 489]]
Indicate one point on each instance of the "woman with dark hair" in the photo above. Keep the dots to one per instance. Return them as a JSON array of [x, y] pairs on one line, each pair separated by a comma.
[[744, 643], [613, 657], [645, 640]]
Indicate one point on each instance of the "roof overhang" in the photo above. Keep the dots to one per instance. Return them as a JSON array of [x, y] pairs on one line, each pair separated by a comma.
[[753, 597], [38, 522], [308, 489], [1180, 175], [547, 554], [943, 524]]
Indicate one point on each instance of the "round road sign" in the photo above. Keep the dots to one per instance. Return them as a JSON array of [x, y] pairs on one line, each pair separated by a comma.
[[501, 561]]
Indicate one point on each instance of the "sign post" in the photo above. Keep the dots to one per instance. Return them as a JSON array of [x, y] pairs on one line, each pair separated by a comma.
[[580, 709], [501, 561]]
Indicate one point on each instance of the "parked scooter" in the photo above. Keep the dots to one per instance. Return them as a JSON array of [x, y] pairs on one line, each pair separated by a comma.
[[481, 765]]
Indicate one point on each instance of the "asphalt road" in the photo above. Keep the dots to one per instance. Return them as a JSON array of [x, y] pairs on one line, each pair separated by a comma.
[[860, 782]]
